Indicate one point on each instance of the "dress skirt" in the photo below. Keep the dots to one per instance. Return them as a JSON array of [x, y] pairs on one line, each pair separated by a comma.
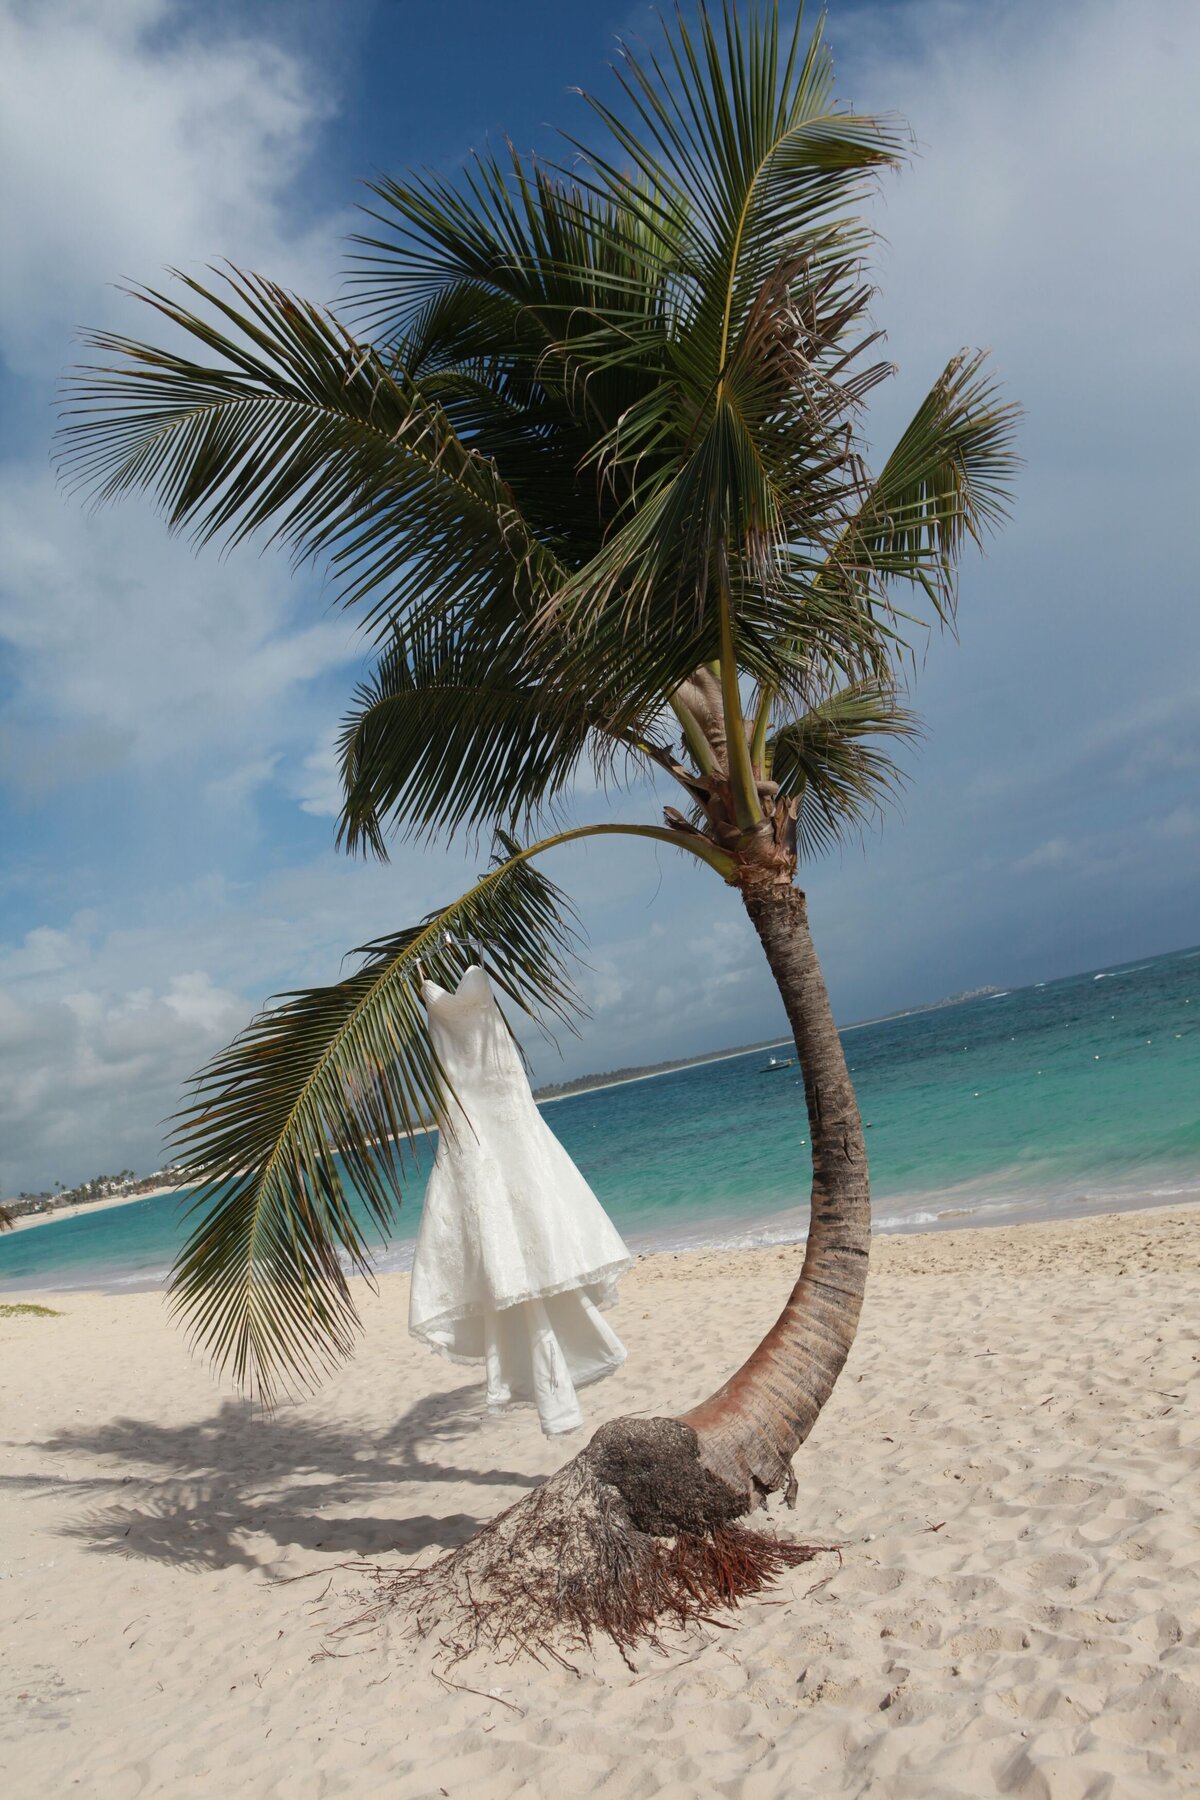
[[516, 1260]]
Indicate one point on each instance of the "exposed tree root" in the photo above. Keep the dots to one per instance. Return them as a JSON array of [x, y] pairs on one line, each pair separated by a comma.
[[568, 1563]]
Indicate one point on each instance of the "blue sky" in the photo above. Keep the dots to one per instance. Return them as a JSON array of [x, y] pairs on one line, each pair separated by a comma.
[[166, 782]]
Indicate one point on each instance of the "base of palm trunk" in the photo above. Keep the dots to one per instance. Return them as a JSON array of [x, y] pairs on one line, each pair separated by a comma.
[[630, 1537]]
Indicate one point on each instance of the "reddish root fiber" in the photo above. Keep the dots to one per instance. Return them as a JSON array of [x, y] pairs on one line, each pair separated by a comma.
[[566, 1564]]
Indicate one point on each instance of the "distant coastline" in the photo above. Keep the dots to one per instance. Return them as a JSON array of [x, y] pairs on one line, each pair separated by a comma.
[[583, 1084], [48, 1211], [51, 1207], [49, 1215], [910, 1012]]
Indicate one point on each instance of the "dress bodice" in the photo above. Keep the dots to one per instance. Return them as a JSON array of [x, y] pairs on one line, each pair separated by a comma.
[[474, 988], [474, 1045]]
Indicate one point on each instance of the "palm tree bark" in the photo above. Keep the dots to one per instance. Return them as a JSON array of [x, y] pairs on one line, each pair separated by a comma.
[[749, 1430]]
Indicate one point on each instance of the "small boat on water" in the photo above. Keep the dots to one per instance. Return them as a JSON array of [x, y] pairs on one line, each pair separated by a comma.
[[778, 1062]]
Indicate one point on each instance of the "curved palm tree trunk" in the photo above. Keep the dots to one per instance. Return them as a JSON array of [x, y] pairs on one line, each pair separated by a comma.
[[642, 1524], [749, 1430]]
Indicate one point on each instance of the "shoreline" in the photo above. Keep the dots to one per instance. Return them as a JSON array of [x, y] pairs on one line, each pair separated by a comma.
[[600, 1087], [1122, 1212], [90, 1206], [588, 1086], [954, 1236], [699, 1062]]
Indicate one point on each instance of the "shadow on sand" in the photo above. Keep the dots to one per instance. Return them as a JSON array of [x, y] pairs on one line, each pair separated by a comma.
[[238, 1489]]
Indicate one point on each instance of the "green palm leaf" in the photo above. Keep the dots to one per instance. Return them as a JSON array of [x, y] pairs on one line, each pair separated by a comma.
[[831, 763], [300, 1128], [451, 731], [948, 478], [736, 137], [304, 434]]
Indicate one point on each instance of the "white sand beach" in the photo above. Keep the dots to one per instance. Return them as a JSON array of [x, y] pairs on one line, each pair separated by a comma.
[[1010, 1466]]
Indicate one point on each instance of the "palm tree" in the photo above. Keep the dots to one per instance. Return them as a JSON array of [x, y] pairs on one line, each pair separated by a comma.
[[591, 466]]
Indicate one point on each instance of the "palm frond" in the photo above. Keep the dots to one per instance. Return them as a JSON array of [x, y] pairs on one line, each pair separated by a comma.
[[453, 731], [830, 761], [550, 292], [303, 434], [296, 1135], [949, 478], [512, 235], [737, 137], [784, 627], [698, 319]]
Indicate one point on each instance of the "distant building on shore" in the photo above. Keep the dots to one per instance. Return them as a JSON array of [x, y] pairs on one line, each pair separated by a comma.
[[126, 1185]]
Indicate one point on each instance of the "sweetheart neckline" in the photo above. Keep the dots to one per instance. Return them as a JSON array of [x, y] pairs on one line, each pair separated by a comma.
[[453, 993]]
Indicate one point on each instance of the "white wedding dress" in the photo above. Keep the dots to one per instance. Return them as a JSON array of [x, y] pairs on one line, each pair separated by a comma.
[[515, 1256]]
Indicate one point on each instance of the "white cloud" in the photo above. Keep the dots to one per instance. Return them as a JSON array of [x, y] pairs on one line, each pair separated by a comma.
[[130, 648], [1056, 853], [87, 1081], [135, 134], [1155, 739], [101, 1023], [319, 784], [232, 795], [1181, 822], [45, 951], [1048, 209], [132, 139], [195, 1000], [1097, 856]]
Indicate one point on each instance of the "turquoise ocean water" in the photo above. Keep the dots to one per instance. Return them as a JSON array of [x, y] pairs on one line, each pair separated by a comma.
[[1079, 1095]]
